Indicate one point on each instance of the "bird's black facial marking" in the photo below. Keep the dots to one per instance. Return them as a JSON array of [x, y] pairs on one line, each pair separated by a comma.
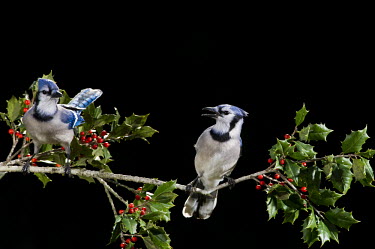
[[234, 122], [220, 137]]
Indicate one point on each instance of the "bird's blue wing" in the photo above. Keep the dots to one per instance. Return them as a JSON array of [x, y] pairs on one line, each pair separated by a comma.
[[72, 118], [84, 98]]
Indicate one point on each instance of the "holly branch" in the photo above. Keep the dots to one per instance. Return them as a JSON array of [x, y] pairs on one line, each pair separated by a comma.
[[299, 185]]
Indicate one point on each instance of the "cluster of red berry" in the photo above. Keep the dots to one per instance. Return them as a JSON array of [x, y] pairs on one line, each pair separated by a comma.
[[17, 134], [127, 241], [27, 103], [276, 177], [132, 208], [93, 139]]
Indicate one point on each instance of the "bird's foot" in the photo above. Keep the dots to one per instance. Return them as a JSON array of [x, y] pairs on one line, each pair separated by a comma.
[[26, 168], [67, 170], [231, 181], [189, 188]]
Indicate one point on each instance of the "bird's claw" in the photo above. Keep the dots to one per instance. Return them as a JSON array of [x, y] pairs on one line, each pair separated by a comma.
[[189, 188], [26, 168], [68, 171], [231, 182]]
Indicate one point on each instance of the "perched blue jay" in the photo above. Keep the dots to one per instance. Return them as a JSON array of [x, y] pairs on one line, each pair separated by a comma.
[[50, 123], [217, 151]]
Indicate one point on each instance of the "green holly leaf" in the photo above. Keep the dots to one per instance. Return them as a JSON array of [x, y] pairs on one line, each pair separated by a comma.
[[314, 132], [327, 231], [300, 115], [354, 141], [302, 151], [136, 120], [129, 223], [310, 177], [359, 169], [309, 230], [340, 174], [157, 239], [281, 148], [341, 218], [43, 178], [369, 174], [165, 188], [368, 153], [290, 216], [292, 170], [271, 206], [14, 108], [325, 197], [143, 132]]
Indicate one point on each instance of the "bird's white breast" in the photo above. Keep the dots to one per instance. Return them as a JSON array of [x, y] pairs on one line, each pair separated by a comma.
[[215, 159], [53, 131]]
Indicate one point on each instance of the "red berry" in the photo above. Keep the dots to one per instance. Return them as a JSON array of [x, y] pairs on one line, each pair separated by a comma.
[[11, 131], [304, 164], [103, 133], [121, 211], [27, 102], [134, 239], [19, 135], [270, 184], [290, 180], [304, 196], [34, 160], [27, 139], [130, 205], [131, 210], [82, 133], [94, 146], [303, 189], [276, 176], [137, 197], [282, 183], [123, 245], [262, 183], [260, 177], [99, 140], [270, 160], [147, 197], [144, 209], [136, 209], [139, 189], [287, 136], [282, 161], [258, 187], [128, 241], [106, 144], [88, 140], [142, 212], [94, 136], [58, 165], [25, 109], [83, 139]]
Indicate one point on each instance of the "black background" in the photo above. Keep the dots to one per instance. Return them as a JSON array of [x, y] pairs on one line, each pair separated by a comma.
[[172, 66]]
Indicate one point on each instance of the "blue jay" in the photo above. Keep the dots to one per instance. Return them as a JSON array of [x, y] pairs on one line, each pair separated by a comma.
[[217, 151], [50, 123]]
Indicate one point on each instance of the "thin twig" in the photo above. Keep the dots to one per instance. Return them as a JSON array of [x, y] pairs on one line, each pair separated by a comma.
[[105, 184], [110, 201]]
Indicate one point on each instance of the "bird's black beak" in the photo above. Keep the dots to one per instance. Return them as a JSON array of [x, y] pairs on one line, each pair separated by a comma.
[[56, 94], [214, 113]]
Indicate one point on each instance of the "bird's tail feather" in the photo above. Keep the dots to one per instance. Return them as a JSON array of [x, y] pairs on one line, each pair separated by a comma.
[[84, 98], [200, 206]]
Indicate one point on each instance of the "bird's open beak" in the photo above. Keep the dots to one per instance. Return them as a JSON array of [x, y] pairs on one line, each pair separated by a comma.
[[56, 94], [214, 113]]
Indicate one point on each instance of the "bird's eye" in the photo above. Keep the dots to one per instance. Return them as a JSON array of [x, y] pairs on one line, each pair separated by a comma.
[[226, 112], [44, 92]]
